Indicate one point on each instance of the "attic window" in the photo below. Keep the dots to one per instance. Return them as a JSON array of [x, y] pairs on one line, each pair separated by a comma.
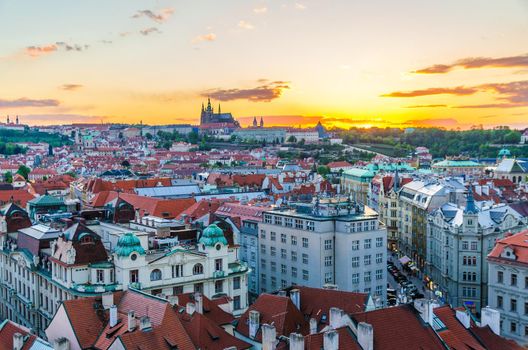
[[165, 214], [87, 240]]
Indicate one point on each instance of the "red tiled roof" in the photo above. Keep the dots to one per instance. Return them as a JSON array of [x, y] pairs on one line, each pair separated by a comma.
[[8, 329], [518, 242], [400, 327], [492, 341], [456, 336], [347, 340], [277, 310], [201, 208], [342, 164], [210, 309], [21, 197]]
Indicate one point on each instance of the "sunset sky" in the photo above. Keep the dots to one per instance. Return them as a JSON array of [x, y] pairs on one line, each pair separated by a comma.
[[451, 63]]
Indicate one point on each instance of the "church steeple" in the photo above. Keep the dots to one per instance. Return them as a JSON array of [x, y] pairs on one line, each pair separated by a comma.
[[202, 107], [471, 208], [261, 122], [8, 119], [254, 122], [219, 110], [209, 104], [17, 119]]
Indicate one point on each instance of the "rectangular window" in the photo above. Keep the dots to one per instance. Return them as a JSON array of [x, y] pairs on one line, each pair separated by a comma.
[[465, 245], [500, 301], [294, 272], [474, 246], [514, 279], [305, 258], [293, 240], [273, 251], [367, 243], [328, 277], [305, 242], [263, 263], [306, 275], [366, 260], [283, 253], [513, 305], [328, 244], [236, 302], [236, 283], [273, 265], [355, 278], [262, 234], [177, 271], [366, 276], [379, 290], [310, 226], [379, 242], [328, 261], [283, 268], [273, 282], [219, 287], [273, 236], [288, 222], [379, 258], [283, 238], [355, 261], [379, 274], [526, 307], [277, 220], [500, 277], [355, 245], [262, 249], [513, 327], [299, 224], [293, 256], [218, 265], [100, 276], [267, 219]]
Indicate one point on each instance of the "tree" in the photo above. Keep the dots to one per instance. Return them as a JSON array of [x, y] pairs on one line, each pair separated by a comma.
[[149, 136], [323, 170], [8, 177], [292, 139], [50, 150], [24, 171], [125, 163]]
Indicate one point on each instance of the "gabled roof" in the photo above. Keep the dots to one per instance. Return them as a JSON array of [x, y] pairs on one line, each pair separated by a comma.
[[8, 329], [210, 309], [278, 310], [492, 341], [456, 336], [517, 242], [400, 327]]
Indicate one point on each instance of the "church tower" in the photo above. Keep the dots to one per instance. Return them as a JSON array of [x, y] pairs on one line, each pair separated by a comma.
[[254, 122], [261, 122]]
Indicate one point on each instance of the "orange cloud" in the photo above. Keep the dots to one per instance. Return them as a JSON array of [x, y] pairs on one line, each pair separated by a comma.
[[36, 51], [477, 62], [262, 93], [70, 87], [205, 37], [459, 90], [159, 17], [426, 106]]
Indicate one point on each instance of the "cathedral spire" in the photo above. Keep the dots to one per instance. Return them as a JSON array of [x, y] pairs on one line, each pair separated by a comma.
[[254, 122], [208, 103], [202, 107], [471, 208], [219, 110], [261, 122]]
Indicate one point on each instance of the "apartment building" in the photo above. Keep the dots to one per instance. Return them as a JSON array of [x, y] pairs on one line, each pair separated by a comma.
[[330, 241]]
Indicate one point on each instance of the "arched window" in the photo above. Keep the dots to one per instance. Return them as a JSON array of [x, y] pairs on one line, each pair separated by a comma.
[[155, 275], [197, 269]]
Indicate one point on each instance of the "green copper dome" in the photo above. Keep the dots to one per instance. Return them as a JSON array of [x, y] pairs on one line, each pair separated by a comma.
[[504, 152], [127, 244], [212, 235]]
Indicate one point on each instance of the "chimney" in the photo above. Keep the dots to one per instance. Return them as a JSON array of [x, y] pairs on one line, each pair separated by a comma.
[[254, 322], [313, 325], [198, 302], [18, 341], [296, 341], [490, 317], [108, 300], [131, 320], [295, 296], [365, 336], [336, 317], [61, 344], [190, 308], [144, 324], [269, 335], [463, 317], [331, 340], [173, 300], [113, 315]]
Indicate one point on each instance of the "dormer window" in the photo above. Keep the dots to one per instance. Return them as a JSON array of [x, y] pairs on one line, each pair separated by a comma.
[[87, 240]]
